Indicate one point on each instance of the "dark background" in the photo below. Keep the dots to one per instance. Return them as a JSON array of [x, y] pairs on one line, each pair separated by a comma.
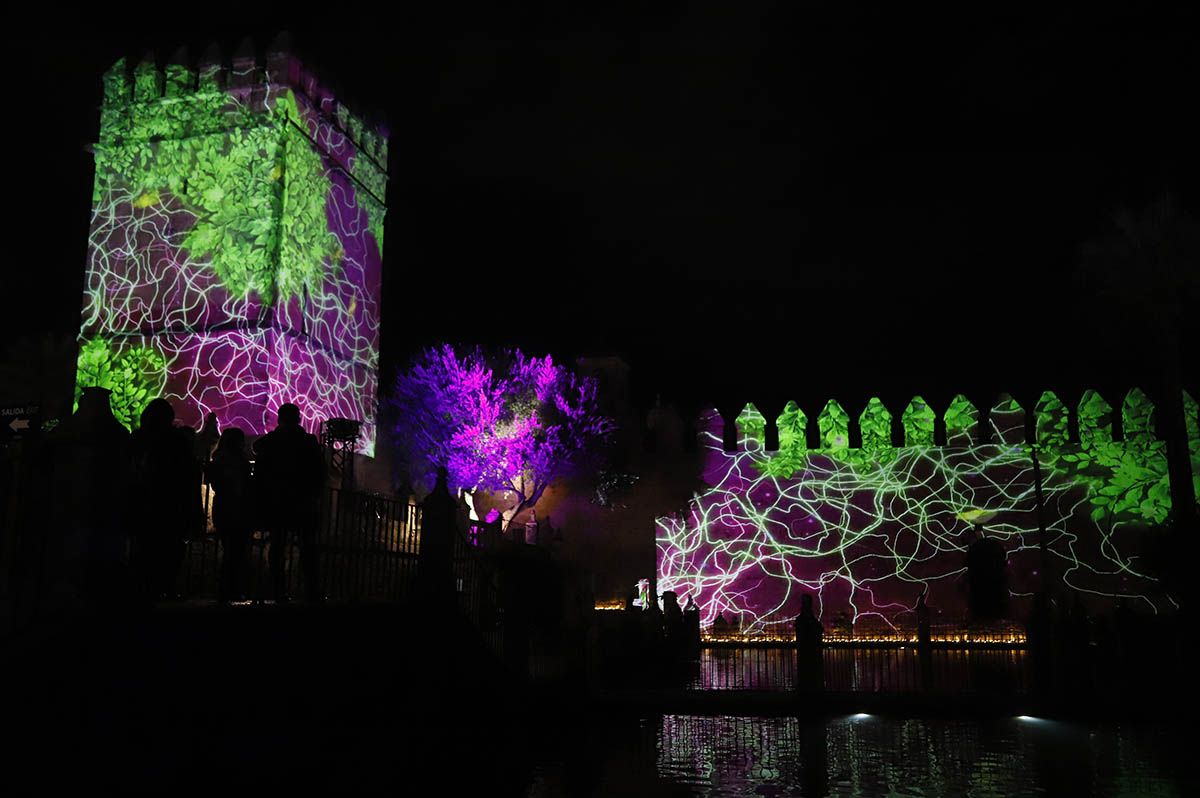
[[737, 200]]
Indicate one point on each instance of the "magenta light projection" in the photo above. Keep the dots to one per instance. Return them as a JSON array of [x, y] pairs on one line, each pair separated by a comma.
[[508, 425], [867, 530], [235, 254]]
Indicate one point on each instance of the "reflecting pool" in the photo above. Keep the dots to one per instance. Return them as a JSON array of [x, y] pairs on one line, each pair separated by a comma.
[[864, 755]]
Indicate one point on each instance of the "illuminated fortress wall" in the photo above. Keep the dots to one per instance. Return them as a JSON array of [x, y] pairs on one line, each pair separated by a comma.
[[235, 255], [867, 530]]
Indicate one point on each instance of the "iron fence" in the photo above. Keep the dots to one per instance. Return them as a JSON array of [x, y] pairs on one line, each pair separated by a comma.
[[475, 584], [365, 548]]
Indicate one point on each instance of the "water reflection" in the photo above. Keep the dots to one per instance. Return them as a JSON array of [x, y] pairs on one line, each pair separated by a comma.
[[865, 670], [870, 756]]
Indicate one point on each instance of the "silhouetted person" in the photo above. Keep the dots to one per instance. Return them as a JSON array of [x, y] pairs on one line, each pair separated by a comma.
[[229, 474], [673, 623], [987, 587], [439, 517], [86, 539], [691, 627], [631, 635], [630, 598], [720, 627], [652, 627], [922, 621], [1039, 636], [809, 633], [924, 646], [290, 472], [207, 439], [165, 501]]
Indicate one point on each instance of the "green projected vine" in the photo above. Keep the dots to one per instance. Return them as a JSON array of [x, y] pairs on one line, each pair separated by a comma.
[[867, 531]]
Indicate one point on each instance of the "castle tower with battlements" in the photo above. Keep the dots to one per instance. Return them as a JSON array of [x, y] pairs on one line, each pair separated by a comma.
[[235, 253]]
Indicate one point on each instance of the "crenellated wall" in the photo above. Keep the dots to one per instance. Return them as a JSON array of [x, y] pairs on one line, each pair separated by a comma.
[[947, 417], [869, 510], [132, 92]]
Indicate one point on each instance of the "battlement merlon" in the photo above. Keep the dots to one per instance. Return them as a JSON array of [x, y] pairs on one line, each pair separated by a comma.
[[144, 102]]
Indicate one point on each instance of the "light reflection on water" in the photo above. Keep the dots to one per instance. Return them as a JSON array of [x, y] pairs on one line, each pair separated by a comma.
[[866, 755]]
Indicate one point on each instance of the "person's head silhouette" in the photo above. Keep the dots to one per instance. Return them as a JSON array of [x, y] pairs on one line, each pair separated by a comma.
[[233, 441], [289, 415], [158, 415]]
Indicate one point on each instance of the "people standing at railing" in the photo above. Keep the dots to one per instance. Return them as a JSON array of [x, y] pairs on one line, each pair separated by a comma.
[[164, 502], [290, 472], [229, 475], [809, 636]]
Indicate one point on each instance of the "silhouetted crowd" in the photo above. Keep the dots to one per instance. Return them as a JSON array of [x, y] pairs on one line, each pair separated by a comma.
[[133, 501]]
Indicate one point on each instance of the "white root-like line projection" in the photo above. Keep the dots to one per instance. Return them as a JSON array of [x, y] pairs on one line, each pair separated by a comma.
[[867, 535]]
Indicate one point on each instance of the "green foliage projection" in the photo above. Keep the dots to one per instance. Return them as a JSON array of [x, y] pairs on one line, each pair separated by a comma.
[[230, 168], [918, 421], [134, 375], [1193, 430], [1137, 415], [793, 448], [307, 243], [365, 172], [834, 424], [1127, 481], [1095, 419], [962, 419], [876, 425], [1051, 420]]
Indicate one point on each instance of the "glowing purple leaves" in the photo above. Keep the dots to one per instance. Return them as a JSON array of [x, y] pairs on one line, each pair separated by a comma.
[[514, 424]]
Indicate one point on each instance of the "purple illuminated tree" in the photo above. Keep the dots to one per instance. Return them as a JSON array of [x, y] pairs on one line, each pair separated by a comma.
[[517, 425]]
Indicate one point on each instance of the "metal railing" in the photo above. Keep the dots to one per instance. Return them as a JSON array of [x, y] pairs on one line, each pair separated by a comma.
[[475, 584], [365, 548]]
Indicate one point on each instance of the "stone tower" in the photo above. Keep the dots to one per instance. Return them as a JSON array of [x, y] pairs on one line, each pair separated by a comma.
[[235, 253]]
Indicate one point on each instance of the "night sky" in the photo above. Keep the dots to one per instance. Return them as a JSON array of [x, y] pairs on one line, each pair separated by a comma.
[[730, 199]]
